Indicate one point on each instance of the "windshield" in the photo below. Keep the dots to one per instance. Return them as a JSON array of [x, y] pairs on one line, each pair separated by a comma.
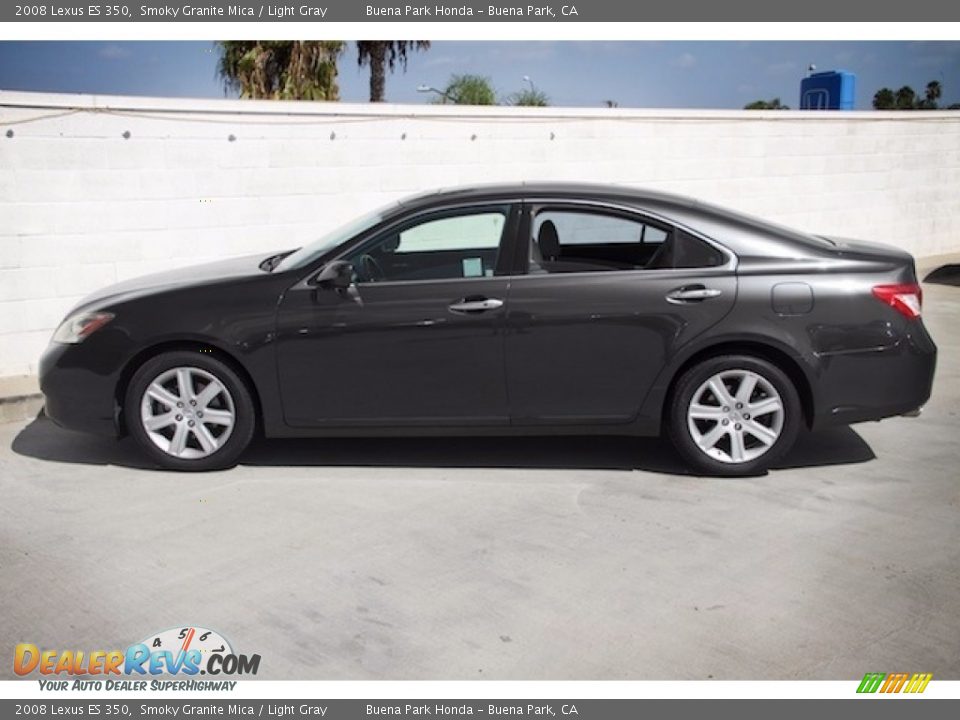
[[310, 252]]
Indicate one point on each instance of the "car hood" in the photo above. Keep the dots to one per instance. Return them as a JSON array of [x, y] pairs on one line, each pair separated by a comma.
[[171, 279]]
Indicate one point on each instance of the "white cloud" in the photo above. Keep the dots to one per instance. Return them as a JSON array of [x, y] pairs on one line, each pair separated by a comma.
[[433, 61], [782, 68], [687, 60], [113, 52], [935, 60], [522, 52]]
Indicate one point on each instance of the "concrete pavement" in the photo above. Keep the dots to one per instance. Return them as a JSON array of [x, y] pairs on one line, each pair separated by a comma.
[[582, 558]]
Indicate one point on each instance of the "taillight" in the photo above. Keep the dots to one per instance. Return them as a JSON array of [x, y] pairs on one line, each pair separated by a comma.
[[906, 298]]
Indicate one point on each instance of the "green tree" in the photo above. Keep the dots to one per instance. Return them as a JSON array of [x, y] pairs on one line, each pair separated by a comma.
[[383, 54], [530, 97], [884, 99], [468, 90], [931, 95], [774, 104], [281, 69], [905, 98]]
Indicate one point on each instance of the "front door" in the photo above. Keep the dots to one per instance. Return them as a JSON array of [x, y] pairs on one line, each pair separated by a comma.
[[417, 340]]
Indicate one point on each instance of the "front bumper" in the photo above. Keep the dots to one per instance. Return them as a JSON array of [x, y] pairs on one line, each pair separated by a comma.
[[76, 395]]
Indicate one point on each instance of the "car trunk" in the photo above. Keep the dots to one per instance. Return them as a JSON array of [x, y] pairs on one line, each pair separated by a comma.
[[873, 252]]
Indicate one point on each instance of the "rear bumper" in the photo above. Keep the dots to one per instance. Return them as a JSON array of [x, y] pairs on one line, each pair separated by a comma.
[[875, 384]]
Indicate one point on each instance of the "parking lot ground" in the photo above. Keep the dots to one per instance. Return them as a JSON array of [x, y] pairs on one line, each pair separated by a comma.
[[539, 558]]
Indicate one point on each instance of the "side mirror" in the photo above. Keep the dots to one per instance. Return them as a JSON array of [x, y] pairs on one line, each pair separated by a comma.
[[336, 275]]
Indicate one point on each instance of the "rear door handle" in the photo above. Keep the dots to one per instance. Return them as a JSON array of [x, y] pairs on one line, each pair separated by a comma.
[[691, 294], [476, 305]]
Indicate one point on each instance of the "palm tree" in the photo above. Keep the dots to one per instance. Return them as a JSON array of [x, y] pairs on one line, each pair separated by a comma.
[[906, 98], [884, 99], [381, 54], [281, 69], [932, 94]]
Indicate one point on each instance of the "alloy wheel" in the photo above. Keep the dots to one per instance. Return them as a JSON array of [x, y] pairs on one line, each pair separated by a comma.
[[187, 412], [735, 416]]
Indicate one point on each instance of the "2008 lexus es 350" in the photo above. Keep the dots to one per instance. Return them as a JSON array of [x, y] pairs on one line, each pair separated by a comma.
[[516, 309]]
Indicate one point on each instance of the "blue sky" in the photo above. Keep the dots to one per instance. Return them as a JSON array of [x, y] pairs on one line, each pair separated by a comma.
[[720, 74]]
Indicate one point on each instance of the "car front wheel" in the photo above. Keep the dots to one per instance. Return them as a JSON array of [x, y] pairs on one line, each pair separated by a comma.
[[734, 415], [189, 411]]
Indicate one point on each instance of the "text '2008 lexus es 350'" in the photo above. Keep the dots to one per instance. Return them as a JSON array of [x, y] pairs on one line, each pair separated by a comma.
[[521, 309]]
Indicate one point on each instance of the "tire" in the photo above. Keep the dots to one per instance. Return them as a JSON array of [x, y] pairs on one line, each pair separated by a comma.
[[704, 420], [207, 435]]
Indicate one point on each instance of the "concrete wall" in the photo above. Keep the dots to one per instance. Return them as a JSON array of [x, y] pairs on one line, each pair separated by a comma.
[[81, 205]]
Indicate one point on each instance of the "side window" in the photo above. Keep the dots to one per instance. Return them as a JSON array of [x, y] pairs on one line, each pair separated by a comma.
[[589, 241], [654, 235], [447, 245]]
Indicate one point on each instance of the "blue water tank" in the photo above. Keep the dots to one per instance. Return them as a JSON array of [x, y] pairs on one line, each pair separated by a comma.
[[833, 90]]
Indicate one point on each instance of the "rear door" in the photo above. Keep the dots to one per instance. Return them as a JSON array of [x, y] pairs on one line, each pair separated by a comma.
[[603, 295]]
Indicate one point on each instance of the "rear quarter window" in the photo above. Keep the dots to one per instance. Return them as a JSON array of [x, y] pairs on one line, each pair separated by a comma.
[[692, 252]]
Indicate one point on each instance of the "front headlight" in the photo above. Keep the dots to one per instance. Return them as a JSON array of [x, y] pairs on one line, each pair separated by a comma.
[[79, 327]]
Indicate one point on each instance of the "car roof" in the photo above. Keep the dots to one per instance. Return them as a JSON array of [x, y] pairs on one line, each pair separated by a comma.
[[531, 189], [744, 234]]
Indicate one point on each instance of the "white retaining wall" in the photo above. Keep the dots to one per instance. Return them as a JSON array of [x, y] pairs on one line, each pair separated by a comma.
[[81, 206]]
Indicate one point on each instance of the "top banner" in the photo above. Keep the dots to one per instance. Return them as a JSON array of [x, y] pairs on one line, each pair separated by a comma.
[[456, 11]]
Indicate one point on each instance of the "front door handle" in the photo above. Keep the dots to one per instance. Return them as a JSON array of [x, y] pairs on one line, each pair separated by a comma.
[[476, 305], [691, 294]]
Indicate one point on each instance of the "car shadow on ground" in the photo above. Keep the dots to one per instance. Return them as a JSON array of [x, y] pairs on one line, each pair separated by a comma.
[[43, 440], [944, 275]]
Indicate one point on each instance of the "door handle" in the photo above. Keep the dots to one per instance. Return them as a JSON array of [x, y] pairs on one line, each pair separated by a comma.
[[476, 305], [691, 294]]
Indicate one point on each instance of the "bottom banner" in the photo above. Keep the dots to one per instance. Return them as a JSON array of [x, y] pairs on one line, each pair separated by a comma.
[[591, 709]]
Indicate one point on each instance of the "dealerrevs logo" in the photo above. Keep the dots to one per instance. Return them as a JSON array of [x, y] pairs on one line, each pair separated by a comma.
[[177, 651]]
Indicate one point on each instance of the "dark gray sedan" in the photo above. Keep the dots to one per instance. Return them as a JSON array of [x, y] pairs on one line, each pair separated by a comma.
[[519, 309]]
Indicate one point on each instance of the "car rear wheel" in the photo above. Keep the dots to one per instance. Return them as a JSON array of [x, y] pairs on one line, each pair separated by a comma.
[[734, 415], [189, 411]]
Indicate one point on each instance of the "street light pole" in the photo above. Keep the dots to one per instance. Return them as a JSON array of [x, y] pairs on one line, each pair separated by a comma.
[[441, 93]]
